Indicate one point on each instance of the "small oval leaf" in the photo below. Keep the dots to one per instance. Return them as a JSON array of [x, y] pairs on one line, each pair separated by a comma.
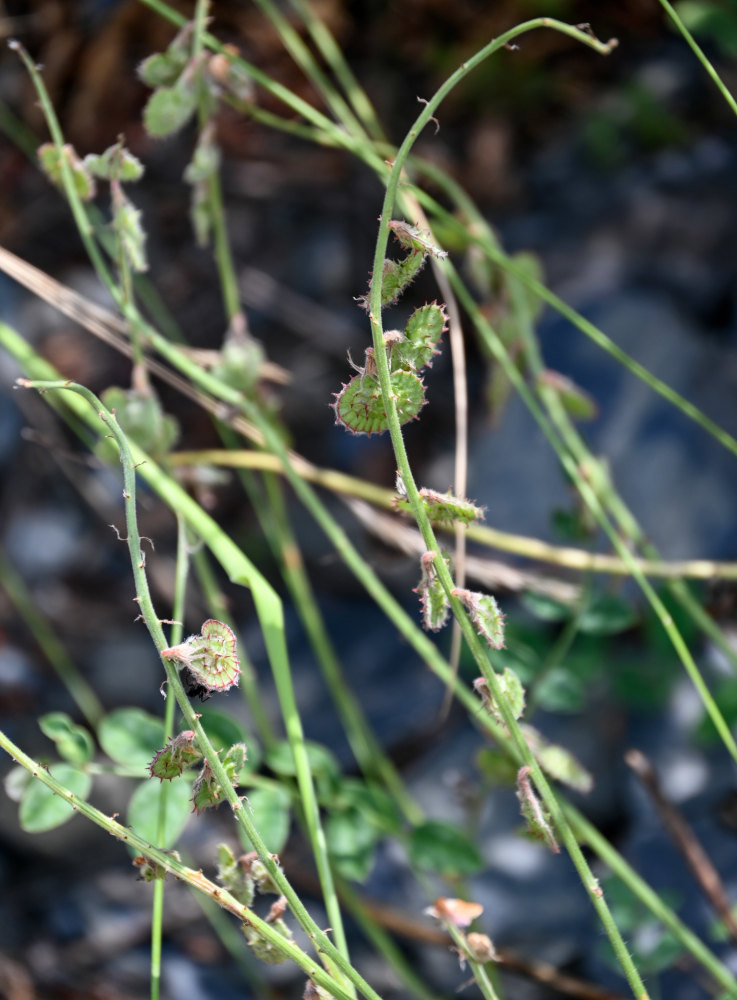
[[143, 811], [444, 849], [41, 809], [271, 812], [131, 736]]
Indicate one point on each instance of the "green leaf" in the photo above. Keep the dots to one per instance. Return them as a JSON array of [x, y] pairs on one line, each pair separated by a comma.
[[497, 766], [143, 811], [41, 809], [50, 160], [607, 615], [16, 781], [131, 736], [73, 742], [222, 729], [359, 406], [351, 841], [561, 690], [322, 761], [162, 68], [169, 109], [374, 804], [444, 850], [545, 608], [271, 814], [116, 163]]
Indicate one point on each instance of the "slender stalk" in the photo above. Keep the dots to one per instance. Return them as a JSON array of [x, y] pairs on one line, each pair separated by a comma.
[[477, 968], [302, 56], [593, 502], [223, 256], [169, 863], [333, 56], [369, 754], [80, 691], [269, 609], [698, 51], [522, 545], [546, 793], [248, 682], [231, 560], [175, 637]]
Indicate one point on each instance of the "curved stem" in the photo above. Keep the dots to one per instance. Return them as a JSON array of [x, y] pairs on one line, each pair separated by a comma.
[[546, 793], [270, 612], [170, 863]]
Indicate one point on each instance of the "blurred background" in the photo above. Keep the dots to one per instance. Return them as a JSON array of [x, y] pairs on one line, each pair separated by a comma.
[[620, 175]]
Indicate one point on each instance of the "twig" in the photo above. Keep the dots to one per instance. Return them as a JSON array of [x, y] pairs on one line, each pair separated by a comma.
[[684, 838]]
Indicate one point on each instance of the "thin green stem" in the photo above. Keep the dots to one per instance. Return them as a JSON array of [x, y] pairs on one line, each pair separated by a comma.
[[269, 609], [302, 56], [418, 510], [175, 636], [369, 754], [232, 561], [281, 670], [592, 501], [477, 968], [80, 691], [223, 256], [169, 863], [700, 54], [333, 56], [248, 683]]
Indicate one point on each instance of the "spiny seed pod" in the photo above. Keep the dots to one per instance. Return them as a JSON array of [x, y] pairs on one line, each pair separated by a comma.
[[211, 656], [116, 164], [538, 821], [178, 754], [169, 108], [512, 690], [485, 615], [443, 508], [433, 599], [424, 329], [207, 790], [262, 948], [235, 876], [359, 406], [163, 68], [50, 160], [413, 238], [396, 275]]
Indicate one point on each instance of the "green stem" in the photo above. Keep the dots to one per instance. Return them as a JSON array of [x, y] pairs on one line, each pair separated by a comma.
[[218, 609], [592, 501], [175, 637], [302, 56], [269, 609], [223, 256], [477, 968], [333, 56], [369, 754], [83, 695], [546, 793], [169, 863], [232, 561], [699, 54]]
